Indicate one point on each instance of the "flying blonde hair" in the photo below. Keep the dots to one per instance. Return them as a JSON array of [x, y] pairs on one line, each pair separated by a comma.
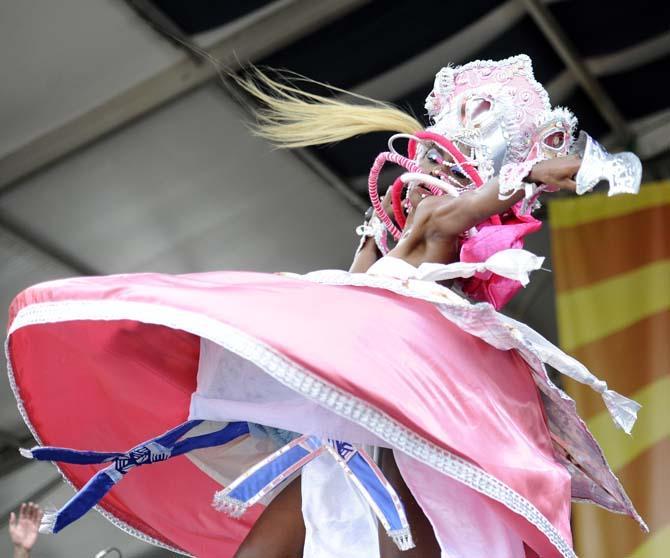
[[290, 117]]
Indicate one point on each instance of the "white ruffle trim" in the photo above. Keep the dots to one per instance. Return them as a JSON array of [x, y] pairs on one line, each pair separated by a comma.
[[28, 454], [513, 263], [48, 523]]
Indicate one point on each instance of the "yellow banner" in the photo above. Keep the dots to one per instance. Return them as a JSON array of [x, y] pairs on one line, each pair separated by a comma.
[[611, 260]]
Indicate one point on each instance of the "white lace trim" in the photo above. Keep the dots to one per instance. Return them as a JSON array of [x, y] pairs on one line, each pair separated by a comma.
[[373, 229], [622, 171], [444, 80], [298, 379]]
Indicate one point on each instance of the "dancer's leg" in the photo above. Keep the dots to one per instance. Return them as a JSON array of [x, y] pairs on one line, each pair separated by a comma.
[[280, 530], [422, 531]]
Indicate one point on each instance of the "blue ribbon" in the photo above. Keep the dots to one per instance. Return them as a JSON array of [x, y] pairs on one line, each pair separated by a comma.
[[378, 492], [157, 449], [266, 475], [275, 469]]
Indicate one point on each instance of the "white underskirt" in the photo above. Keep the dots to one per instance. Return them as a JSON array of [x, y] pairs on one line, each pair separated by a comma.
[[338, 520], [231, 388], [469, 528]]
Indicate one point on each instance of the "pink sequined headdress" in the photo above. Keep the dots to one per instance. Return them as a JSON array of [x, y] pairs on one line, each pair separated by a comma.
[[499, 111], [501, 117]]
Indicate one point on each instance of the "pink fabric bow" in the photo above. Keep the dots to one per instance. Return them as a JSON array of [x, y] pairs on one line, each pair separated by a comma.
[[497, 233]]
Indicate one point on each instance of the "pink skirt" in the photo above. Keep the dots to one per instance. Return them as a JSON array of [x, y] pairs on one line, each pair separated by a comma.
[[102, 363]]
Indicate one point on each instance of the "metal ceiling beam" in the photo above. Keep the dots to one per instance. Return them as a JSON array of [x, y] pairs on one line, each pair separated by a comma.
[[652, 135], [45, 245], [457, 48], [264, 31], [11, 459], [564, 47], [9, 439], [170, 31], [148, 11], [617, 62], [357, 199]]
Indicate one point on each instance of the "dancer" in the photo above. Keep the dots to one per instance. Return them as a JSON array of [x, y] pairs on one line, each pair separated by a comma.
[[486, 451]]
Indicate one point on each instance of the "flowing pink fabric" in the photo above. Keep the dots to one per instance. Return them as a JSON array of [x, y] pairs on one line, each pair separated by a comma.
[[109, 384], [496, 234]]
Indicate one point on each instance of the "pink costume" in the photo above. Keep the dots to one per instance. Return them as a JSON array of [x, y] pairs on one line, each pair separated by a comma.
[[492, 450]]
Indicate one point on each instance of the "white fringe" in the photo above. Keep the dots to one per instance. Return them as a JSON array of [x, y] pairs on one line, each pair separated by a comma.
[[623, 410], [48, 522], [230, 506], [28, 454], [402, 538]]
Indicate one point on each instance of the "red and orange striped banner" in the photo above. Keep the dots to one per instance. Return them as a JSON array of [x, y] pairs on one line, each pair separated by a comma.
[[611, 258]]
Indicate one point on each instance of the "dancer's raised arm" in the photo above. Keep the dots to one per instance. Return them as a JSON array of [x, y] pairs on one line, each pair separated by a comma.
[[460, 214]]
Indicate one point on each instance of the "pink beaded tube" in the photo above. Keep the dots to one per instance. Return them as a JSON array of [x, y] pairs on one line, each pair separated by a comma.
[[396, 202], [373, 180]]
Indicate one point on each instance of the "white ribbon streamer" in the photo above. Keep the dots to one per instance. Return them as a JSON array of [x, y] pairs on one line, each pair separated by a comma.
[[622, 410], [514, 263]]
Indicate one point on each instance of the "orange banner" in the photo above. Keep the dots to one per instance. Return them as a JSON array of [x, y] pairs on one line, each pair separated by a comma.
[[611, 258]]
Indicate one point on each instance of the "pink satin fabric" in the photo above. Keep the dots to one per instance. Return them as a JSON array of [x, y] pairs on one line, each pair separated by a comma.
[[496, 234], [110, 384]]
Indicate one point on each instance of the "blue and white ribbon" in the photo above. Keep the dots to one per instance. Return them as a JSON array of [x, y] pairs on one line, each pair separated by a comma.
[[377, 491], [258, 481], [157, 449], [250, 487]]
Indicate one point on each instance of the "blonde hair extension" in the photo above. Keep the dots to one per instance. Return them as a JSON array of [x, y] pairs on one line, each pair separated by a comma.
[[291, 117]]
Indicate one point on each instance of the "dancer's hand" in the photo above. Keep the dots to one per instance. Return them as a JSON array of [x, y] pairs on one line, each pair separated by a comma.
[[559, 173], [24, 529]]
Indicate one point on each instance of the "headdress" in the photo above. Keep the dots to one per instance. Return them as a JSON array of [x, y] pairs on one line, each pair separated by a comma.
[[499, 112], [493, 118], [503, 115]]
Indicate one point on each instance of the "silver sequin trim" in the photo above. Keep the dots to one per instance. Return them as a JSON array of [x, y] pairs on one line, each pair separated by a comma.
[[299, 380]]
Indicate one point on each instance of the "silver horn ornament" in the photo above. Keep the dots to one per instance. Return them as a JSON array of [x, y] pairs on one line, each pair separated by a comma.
[[622, 171]]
